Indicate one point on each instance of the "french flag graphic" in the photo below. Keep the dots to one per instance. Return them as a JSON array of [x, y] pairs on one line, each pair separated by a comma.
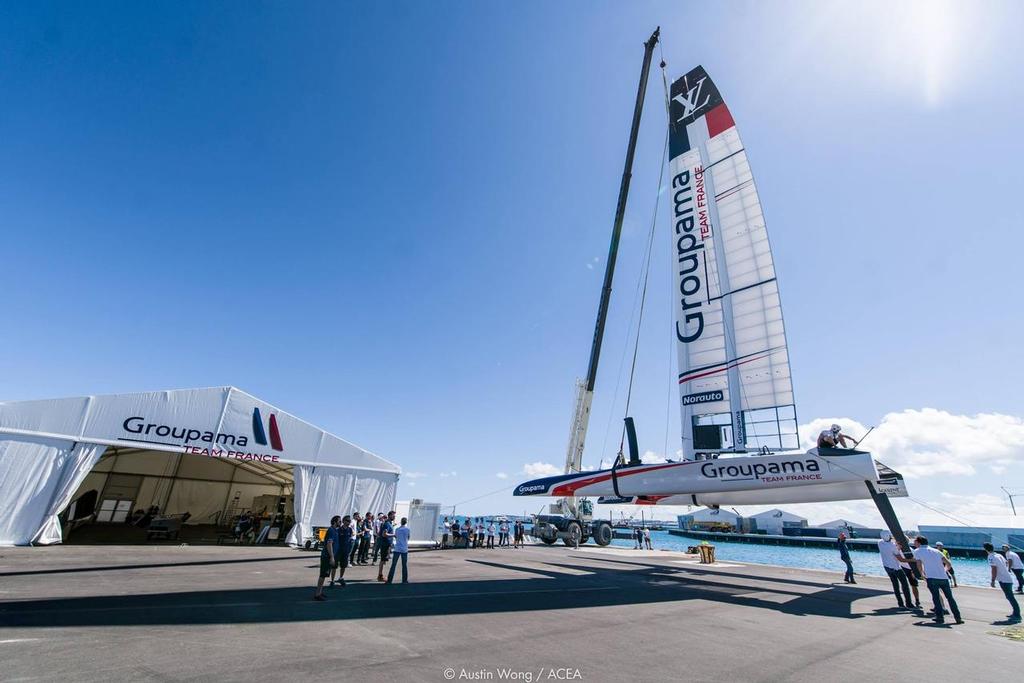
[[260, 435]]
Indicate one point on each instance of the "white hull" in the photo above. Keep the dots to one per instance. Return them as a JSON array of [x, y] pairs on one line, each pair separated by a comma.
[[743, 480]]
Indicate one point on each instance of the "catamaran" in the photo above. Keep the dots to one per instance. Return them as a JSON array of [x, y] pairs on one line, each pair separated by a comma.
[[739, 438]]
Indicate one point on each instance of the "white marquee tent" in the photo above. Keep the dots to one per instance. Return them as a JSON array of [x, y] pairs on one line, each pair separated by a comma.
[[185, 450]]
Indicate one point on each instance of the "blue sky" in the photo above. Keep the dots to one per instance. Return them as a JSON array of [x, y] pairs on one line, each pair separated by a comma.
[[392, 220]]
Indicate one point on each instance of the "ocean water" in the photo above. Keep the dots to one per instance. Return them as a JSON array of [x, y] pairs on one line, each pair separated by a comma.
[[971, 572]]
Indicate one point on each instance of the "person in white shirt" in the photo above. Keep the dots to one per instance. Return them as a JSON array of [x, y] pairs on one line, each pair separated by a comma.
[[490, 534], [503, 534], [647, 538], [1003, 576], [933, 567], [445, 528], [889, 552], [1014, 564], [400, 551]]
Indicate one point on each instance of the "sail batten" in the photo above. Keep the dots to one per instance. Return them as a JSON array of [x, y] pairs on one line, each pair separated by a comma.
[[731, 340]]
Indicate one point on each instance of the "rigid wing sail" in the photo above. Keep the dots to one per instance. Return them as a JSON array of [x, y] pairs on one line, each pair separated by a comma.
[[735, 387]]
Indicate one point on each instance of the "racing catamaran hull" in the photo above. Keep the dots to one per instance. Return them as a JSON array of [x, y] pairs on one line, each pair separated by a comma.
[[814, 476]]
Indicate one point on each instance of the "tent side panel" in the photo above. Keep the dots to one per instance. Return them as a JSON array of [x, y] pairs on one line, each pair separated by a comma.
[[37, 479]]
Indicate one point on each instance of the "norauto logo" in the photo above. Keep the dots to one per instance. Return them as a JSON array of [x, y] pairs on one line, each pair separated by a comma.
[[260, 436], [703, 397]]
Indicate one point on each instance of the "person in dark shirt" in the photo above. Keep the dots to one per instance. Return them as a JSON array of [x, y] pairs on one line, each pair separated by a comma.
[[844, 555], [328, 557], [364, 541], [385, 539], [346, 536]]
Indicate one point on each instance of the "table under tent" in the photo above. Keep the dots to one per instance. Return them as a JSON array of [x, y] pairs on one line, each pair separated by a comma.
[[202, 465]]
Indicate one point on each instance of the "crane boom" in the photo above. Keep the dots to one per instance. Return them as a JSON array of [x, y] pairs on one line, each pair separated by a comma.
[[585, 389]]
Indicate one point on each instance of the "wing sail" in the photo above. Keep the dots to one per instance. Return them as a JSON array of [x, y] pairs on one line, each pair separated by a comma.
[[735, 387]]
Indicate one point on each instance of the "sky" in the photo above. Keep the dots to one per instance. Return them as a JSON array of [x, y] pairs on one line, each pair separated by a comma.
[[392, 221]]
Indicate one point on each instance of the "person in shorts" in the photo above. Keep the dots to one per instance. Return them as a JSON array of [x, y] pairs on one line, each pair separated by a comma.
[[328, 557], [346, 534]]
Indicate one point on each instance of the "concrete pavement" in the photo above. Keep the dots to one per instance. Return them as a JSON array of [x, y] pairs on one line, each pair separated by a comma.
[[167, 613]]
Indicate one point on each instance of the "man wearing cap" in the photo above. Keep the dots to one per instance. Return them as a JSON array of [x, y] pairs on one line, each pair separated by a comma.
[[1003, 576], [834, 438], [889, 553], [1014, 564]]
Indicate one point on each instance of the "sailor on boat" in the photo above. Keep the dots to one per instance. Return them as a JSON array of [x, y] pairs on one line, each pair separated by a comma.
[[834, 438]]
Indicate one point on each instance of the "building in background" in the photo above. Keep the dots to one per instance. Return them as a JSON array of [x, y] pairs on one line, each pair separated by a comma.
[[775, 521], [971, 533], [710, 519]]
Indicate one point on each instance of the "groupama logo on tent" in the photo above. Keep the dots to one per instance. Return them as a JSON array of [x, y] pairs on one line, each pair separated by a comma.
[[260, 435]]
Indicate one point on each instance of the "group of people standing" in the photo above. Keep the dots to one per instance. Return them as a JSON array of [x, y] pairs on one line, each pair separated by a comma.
[[348, 541], [933, 565], [480, 533]]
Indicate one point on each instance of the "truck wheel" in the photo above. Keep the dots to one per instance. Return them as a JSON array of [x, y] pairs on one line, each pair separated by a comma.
[[584, 539], [603, 534], [574, 532], [548, 541]]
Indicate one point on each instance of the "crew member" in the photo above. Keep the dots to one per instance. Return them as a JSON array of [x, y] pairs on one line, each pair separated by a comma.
[[1002, 576], [1014, 564], [889, 553], [834, 438], [933, 566], [844, 555]]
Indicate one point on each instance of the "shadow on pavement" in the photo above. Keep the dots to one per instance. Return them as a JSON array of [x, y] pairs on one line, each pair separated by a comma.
[[311, 557], [547, 589]]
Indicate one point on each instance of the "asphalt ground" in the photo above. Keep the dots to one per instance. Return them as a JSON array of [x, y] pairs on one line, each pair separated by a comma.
[[168, 613]]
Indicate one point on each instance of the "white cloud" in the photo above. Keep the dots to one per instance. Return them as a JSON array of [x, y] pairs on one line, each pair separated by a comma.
[[410, 483], [445, 475], [927, 442], [963, 506], [541, 469], [650, 458], [501, 475], [414, 475]]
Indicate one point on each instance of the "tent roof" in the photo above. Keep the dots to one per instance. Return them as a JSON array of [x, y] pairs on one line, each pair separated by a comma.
[[223, 422]]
